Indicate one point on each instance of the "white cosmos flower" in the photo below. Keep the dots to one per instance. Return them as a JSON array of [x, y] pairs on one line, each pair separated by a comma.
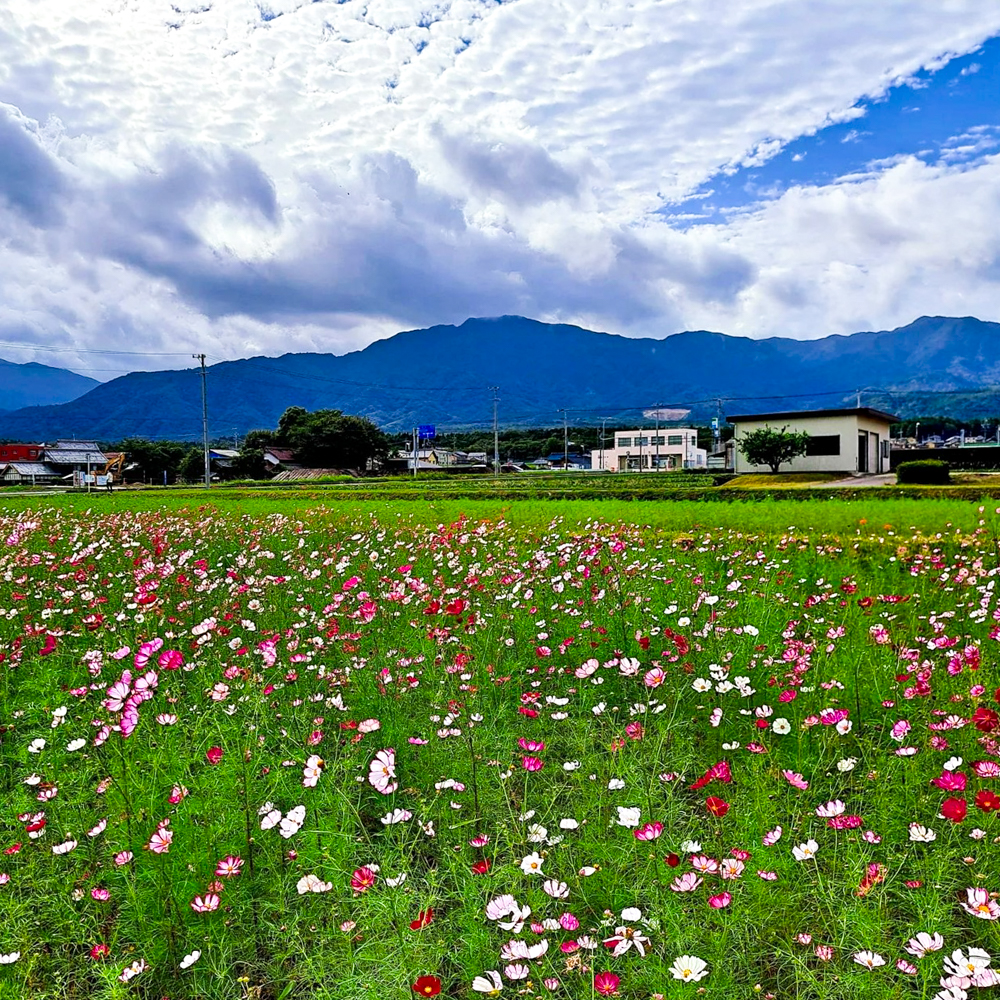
[[312, 883], [555, 889], [396, 816], [689, 968], [292, 822], [489, 983], [531, 864], [36, 745], [806, 851], [628, 816], [500, 906], [781, 726], [10, 958], [188, 960], [921, 834], [631, 914], [393, 883], [77, 744], [65, 847], [616, 784], [690, 847], [568, 823], [869, 959]]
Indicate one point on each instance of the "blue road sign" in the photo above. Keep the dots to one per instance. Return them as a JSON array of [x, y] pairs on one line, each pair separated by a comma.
[[426, 431]]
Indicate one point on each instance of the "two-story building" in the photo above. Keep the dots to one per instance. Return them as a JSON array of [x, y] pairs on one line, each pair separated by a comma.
[[650, 450]]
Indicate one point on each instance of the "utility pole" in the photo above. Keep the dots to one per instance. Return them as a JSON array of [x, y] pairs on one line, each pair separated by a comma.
[[859, 398], [565, 414], [657, 438], [496, 432], [416, 453], [604, 421], [236, 440], [204, 419]]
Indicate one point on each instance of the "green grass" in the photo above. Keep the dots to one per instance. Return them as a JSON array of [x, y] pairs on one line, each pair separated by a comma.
[[317, 614]]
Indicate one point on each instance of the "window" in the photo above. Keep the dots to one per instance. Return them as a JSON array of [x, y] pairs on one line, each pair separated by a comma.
[[823, 444], [642, 442], [657, 440], [624, 442], [675, 439]]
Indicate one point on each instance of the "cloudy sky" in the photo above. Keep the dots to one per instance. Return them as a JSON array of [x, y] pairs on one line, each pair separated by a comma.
[[247, 177]]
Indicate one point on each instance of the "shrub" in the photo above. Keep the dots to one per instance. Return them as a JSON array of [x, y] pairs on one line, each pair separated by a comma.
[[924, 472]]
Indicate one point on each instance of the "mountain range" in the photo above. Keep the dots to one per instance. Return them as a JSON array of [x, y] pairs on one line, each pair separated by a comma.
[[35, 385], [442, 375]]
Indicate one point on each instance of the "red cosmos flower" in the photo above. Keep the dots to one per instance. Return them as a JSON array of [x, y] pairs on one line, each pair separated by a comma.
[[606, 984], [985, 719], [99, 951], [49, 647], [481, 867], [954, 809], [214, 755], [672, 860], [716, 806], [532, 763], [987, 801], [425, 917], [427, 986], [996, 695]]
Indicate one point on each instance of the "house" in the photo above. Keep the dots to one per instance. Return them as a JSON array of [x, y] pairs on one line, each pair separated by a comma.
[[284, 457], [574, 460], [27, 473], [854, 440], [71, 456], [648, 450], [21, 453]]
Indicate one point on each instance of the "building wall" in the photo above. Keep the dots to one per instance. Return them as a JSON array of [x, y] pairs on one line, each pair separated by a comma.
[[848, 427], [621, 458]]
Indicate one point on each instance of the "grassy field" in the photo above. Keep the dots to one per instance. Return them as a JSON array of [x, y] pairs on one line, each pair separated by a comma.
[[280, 745]]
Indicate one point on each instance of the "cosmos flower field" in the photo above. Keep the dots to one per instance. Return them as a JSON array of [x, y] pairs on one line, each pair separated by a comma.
[[271, 756]]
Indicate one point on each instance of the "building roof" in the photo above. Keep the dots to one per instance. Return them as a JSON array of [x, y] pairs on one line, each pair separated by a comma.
[[67, 456], [853, 411], [30, 468], [280, 454]]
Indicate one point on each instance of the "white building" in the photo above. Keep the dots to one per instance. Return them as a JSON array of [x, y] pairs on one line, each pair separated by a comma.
[[849, 440], [648, 450]]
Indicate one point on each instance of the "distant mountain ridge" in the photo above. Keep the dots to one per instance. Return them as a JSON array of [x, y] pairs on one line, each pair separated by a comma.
[[442, 376], [33, 384]]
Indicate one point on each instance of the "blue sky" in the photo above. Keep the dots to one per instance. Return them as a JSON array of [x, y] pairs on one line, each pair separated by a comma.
[[949, 114], [243, 177]]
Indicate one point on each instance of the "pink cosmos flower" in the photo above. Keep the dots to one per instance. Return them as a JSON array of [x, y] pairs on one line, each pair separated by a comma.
[[214, 755], [772, 837], [362, 879], [229, 866], [207, 903], [100, 894], [159, 843], [123, 858], [531, 746], [979, 904], [795, 780], [382, 772], [532, 763], [648, 832], [687, 882], [720, 901]]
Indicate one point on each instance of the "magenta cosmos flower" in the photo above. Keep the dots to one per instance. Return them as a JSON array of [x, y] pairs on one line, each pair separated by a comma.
[[606, 984]]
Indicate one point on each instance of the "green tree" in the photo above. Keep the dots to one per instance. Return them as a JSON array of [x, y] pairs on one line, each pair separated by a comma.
[[329, 439], [770, 447], [192, 466]]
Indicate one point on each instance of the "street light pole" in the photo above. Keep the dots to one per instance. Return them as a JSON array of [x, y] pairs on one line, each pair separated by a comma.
[[604, 421]]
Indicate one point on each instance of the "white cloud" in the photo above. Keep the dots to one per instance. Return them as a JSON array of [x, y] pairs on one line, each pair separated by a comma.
[[236, 176]]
